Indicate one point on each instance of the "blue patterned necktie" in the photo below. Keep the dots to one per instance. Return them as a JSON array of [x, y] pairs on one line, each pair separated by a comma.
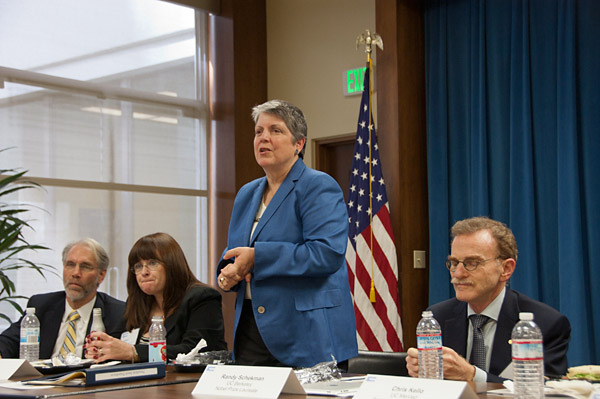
[[478, 349]]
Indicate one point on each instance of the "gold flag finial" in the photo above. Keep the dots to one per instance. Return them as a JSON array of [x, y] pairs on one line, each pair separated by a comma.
[[369, 39]]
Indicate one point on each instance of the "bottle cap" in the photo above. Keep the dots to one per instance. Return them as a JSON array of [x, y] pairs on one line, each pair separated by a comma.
[[157, 318], [526, 316], [427, 313], [30, 310], [97, 311]]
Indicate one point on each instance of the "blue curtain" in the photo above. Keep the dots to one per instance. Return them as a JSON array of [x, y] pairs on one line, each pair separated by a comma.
[[513, 130]]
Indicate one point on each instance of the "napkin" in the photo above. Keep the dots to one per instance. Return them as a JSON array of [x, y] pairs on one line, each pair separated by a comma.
[[183, 357], [558, 388], [574, 388]]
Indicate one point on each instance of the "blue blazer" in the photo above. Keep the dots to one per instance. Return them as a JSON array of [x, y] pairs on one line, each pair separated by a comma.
[[556, 330], [299, 279]]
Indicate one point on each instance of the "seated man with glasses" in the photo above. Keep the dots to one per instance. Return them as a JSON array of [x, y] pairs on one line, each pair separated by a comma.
[[66, 316], [477, 324]]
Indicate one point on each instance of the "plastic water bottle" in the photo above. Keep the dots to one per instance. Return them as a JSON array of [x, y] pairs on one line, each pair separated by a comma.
[[29, 348], [157, 345], [528, 358], [429, 344], [97, 323]]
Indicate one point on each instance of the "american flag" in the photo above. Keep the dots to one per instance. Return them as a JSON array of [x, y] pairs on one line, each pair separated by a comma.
[[371, 252]]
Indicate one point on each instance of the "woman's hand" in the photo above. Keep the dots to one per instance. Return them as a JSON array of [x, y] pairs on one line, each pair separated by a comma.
[[240, 269], [102, 347]]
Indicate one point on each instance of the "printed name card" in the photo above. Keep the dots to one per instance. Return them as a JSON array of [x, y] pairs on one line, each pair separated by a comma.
[[385, 386], [247, 382], [17, 368]]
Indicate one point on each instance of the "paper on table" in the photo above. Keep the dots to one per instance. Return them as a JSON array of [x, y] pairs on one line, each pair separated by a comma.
[[346, 387], [107, 364], [576, 389], [508, 372], [130, 337], [552, 389], [19, 385]]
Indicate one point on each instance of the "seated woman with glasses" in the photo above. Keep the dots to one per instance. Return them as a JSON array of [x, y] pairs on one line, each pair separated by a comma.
[[160, 283]]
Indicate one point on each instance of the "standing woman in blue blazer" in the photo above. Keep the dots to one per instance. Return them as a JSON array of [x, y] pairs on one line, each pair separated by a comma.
[[285, 254]]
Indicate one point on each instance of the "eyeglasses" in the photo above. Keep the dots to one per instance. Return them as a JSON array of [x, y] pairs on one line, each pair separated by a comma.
[[83, 267], [469, 264], [151, 265]]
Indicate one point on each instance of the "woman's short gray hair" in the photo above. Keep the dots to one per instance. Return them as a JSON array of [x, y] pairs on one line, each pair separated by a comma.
[[288, 113], [99, 252]]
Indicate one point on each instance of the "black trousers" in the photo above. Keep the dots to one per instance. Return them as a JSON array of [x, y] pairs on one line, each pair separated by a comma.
[[250, 350]]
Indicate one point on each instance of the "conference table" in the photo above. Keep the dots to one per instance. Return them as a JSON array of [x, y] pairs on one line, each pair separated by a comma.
[[174, 385]]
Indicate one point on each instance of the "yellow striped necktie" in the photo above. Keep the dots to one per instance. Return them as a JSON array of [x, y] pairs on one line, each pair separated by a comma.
[[70, 338]]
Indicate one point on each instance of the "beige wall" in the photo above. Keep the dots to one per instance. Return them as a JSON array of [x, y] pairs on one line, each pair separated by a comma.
[[309, 44]]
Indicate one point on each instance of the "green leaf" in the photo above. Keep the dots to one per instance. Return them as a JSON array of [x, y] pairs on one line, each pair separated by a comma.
[[13, 303], [12, 241]]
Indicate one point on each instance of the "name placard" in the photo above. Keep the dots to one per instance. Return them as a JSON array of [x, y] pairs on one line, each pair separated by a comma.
[[385, 386], [247, 382], [17, 368]]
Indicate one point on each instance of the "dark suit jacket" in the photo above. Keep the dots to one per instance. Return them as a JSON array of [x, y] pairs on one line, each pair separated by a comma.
[[300, 280], [452, 316], [50, 308], [199, 316]]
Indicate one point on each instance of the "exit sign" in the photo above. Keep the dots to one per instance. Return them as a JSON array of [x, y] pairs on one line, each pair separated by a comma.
[[352, 81]]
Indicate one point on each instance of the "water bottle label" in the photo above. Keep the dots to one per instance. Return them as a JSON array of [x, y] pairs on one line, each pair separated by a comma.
[[527, 349], [30, 336], [157, 352], [429, 341]]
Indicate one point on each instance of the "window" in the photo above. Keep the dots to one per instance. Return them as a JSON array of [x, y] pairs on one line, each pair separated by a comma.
[[105, 105]]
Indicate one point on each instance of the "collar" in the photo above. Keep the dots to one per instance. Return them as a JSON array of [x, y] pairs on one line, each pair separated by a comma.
[[493, 309], [282, 192], [85, 312]]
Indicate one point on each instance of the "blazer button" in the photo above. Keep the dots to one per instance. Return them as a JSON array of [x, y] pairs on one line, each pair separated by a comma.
[[261, 309]]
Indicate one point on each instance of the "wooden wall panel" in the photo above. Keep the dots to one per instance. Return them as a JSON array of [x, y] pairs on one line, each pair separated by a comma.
[[238, 55]]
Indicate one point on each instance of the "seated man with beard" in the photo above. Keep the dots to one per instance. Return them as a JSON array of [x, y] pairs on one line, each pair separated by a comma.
[[84, 267]]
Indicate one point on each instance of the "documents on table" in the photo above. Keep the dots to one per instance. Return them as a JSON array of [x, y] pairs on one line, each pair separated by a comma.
[[105, 375], [346, 387]]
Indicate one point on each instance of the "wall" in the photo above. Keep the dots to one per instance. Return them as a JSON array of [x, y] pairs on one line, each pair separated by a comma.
[[297, 50], [309, 44]]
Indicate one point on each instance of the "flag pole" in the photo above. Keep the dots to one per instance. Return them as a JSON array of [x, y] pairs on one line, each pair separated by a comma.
[[369, 40]]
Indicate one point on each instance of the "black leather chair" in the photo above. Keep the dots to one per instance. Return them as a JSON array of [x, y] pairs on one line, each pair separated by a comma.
[[386, 363]]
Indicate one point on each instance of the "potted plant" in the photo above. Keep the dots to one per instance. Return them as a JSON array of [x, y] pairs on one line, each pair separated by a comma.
[[12, 240]]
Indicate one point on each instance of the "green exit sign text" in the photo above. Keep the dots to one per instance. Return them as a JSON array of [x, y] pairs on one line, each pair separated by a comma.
[[353, 81]]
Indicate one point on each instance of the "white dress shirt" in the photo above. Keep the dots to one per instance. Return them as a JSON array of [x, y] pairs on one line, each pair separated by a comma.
[[85, 313], [489, 331], [259, 213]]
